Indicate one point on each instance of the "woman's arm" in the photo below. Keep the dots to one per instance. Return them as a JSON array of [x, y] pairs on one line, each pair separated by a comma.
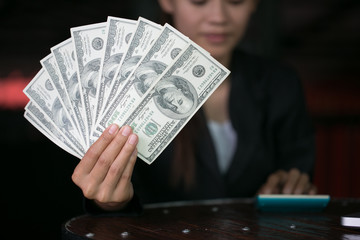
[[293, 136]]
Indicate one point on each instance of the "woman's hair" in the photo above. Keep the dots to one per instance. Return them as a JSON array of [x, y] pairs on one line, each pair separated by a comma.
[[183, 171], [164, 17]]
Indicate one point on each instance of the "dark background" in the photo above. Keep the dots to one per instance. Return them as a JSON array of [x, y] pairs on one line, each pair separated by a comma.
[[319, 38]]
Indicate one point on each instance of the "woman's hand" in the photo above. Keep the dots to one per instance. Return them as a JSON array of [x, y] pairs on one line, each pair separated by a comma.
[[104, 173], [291, 182]]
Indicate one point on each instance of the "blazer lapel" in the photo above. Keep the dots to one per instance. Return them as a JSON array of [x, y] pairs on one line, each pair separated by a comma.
[[207, 150]]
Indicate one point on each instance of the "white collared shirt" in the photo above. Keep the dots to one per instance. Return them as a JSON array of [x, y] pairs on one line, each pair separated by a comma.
[[225, 140]]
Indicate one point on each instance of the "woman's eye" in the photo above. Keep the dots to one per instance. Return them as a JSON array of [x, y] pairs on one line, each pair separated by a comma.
[[236, 1], [198, 2], [203, 2]]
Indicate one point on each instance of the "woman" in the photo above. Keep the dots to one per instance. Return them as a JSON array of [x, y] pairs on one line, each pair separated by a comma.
[[253, 135]]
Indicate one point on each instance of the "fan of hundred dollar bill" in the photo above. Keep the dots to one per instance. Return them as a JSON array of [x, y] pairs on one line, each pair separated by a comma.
[[128, 72]]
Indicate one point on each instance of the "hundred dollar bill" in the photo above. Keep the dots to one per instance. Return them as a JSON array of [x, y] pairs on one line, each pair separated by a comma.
[[40, 121], [145, 33], [37, 123], [89, 44], [161, 53], [64, 55], [119, 31], [50, 65], [42, 92], [177, 95]]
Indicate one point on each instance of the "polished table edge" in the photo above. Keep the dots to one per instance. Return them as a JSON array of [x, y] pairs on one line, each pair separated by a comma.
[[220, 201], [335, 208]]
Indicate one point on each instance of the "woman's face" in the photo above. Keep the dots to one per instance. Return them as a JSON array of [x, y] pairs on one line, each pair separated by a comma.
[[216, 25]]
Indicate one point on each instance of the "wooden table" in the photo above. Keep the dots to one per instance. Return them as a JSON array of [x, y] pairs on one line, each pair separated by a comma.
[[217, 219]]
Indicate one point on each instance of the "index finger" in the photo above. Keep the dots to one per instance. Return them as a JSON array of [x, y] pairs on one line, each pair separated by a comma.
[[274, 181], [292, 180], [97, 148]]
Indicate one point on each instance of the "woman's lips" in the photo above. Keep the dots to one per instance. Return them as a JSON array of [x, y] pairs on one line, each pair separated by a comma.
[[215, 38]]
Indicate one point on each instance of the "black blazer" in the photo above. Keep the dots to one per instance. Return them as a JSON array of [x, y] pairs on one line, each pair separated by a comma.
[[268, 111]]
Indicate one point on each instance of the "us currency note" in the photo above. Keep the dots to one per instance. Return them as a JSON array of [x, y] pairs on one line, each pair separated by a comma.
[[42, 92], [177, 95], [89, 42], [36, 123], [145, 33], [119, 31], [50, 65], [161, 53], [40, 121], [65, 59]]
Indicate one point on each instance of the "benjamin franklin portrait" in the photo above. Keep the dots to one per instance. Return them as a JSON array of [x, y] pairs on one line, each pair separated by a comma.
[[146, 74], [175, 97], [90, 77]]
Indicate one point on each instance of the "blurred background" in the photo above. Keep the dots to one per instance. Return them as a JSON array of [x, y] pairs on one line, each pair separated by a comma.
[[319, 38]]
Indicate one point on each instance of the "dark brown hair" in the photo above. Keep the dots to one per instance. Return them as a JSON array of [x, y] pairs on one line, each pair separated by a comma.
[[183, 170]]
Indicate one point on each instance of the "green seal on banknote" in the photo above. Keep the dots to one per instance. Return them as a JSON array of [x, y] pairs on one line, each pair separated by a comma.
[[151, 129]]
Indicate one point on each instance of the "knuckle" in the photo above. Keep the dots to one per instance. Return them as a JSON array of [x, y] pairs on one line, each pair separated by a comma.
[[126, 177], [91, 152], [106, 137], [120, 139], [104, 161], [126, 193], [273, 177], [89, 191], [295, 171], [305, 177], [133, 157], [114, 170], [75, 177], [103, 196], [129, 148]]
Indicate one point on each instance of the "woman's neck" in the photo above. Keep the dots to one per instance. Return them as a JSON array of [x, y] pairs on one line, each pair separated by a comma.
[[216, 106], [225, 60]]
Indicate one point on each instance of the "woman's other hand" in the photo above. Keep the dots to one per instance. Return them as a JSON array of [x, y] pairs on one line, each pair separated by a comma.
[[291, 182]]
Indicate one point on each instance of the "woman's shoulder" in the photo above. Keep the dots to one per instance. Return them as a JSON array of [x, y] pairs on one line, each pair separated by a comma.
[[261, 70], [254, 63]]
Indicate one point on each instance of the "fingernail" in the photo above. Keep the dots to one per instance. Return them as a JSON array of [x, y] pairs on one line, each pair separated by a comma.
[[126, 131], [113, 128], [132, 139]]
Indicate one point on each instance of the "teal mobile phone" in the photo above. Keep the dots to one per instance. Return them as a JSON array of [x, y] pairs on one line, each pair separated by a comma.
[[291, 203]]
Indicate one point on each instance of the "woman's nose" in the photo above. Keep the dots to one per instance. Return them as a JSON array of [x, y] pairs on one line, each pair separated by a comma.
[[217, 12]]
